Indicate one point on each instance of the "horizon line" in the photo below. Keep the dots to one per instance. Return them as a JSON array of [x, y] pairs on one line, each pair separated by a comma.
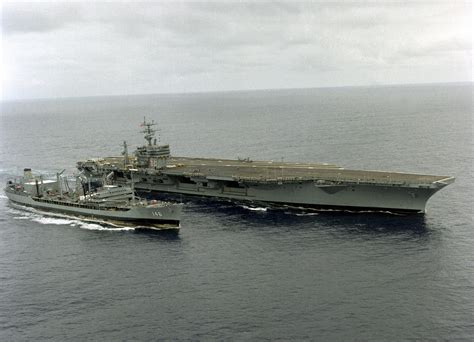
[[2, 100]]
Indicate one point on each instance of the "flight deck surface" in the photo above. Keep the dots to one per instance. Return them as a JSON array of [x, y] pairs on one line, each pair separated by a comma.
[[276, 171]]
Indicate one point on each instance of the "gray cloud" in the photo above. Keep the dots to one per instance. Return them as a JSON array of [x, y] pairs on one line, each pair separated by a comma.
[[27, 17], [434, 48], [112, 48]]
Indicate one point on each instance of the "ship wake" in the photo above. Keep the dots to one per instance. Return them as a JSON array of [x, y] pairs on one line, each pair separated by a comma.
[[47, 218], [258, 209]]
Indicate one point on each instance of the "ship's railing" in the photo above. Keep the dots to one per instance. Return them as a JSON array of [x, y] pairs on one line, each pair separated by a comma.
[[320, 180], [324, 181], [94, 206]]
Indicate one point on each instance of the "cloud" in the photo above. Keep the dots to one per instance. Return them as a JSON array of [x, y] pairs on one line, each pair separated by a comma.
[[113, 48], [27, 17], [434, 48]]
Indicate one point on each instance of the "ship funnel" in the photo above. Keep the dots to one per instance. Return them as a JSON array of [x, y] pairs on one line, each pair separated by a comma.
[[27, 173]]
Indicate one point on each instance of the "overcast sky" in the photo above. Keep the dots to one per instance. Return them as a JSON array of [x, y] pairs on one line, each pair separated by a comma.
[[81, 49]]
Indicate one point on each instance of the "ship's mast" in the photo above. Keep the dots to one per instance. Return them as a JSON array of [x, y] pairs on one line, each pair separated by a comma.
[[132, 185], [58, 178], [125, 153], [149, 131]]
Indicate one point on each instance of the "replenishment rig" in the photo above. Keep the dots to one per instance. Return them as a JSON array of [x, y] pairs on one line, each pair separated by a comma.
[[112, 204]]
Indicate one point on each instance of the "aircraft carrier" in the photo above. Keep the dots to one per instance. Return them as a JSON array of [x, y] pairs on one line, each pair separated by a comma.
[[319, 186]]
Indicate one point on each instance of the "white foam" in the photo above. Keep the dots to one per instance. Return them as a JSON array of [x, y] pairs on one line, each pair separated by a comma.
[[255, 208], [96, 226], [51, 220], [32, 214]]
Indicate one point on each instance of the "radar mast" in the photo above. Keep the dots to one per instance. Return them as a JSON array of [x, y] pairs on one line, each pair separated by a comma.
[[148, 130]]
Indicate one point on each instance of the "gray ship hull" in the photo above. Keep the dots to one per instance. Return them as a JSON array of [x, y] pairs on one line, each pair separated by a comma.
[[317, 185], [158, 216], [344, 197], [292, 184]]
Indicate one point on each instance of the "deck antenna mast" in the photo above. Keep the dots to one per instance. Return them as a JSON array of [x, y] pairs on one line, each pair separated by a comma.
[[125, 153], [132, 184], [148, 130], [58, 179]]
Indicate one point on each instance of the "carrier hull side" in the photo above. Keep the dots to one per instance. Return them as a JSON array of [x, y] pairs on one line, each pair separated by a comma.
[[352, 197]]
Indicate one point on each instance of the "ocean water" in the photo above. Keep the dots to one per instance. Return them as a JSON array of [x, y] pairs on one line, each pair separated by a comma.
[[237, 272]]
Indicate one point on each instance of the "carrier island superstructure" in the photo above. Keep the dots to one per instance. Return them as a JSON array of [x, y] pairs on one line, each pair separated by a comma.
[[274, 183]]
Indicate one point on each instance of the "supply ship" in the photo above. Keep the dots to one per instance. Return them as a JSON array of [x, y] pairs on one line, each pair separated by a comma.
[[319, 186], [113, 204]]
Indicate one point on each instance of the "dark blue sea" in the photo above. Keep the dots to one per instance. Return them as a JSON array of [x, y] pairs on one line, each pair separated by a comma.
[[235, 272]]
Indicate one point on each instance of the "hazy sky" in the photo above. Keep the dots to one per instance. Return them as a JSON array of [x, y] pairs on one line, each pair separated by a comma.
[[80, 49]]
